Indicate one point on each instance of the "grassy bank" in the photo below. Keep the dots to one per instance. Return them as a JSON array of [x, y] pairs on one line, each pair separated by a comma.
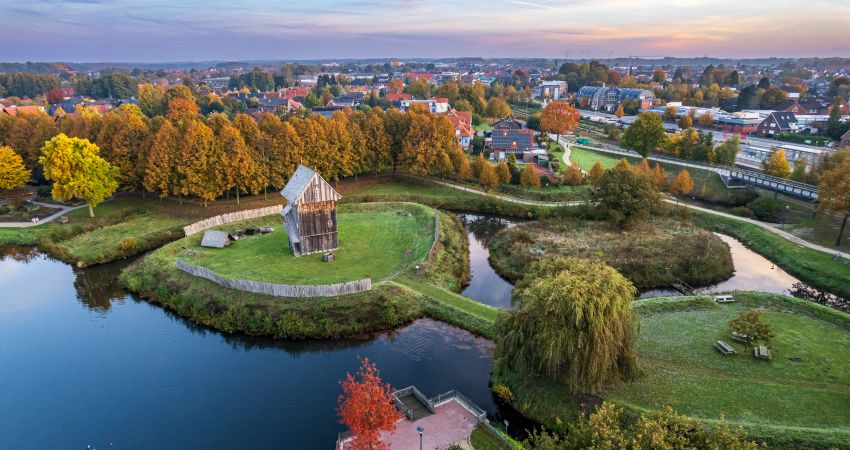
[[402, 189], [653, 256], [124, 226], [799, 399], [816, 268], [404, 295]]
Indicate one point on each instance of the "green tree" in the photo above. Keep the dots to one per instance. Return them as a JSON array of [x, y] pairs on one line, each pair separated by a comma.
[[773, 96], [834, 127], [645, 134], [749, 324], [77, 171], [151, 99], [12, 171], [625, 196], [573, 323]]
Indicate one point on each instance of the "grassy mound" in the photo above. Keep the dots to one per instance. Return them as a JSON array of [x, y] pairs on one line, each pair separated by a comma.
[[650, 257], [799, 399], [389, 304], [375, 241]]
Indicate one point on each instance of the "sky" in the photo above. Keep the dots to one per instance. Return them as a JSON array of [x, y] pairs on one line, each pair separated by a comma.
[[206, 30]]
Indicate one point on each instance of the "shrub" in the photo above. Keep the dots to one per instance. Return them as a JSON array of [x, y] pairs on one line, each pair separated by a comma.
[[44, 191], [128, 244], [768, 209], [743, 211], [504, 393]]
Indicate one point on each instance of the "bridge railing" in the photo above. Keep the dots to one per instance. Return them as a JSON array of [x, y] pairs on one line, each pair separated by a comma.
[[734, 172]]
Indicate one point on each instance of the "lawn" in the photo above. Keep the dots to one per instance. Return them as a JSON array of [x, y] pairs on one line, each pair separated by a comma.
[[376, 240], [805, 386], [481, 439], [800, 398]]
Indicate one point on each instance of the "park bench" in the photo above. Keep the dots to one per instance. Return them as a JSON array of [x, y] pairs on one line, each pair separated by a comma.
[[740, 337], [762, 352], [724, 298], [724, 348]]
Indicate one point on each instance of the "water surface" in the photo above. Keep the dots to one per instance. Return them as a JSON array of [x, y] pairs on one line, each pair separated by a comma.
[[486, 286], [84, 363]]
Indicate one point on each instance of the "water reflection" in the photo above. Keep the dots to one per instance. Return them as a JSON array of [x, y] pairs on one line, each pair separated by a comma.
[[85, 364], [485, 286]]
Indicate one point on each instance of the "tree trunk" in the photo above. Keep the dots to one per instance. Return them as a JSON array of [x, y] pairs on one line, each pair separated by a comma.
[[180, 199], [91, 214], [237, 195], [265, 188], [841, 231]]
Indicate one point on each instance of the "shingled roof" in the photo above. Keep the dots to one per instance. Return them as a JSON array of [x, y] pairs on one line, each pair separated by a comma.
[[300, 180]]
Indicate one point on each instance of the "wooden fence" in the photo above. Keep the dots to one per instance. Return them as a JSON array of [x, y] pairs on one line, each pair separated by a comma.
[[231, 217], [436, 235], [277, 290]]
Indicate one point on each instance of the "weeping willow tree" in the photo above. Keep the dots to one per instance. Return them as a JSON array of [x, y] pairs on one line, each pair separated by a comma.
[[572, 323]]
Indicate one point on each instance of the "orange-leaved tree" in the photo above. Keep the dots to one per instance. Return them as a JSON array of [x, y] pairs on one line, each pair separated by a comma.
[[558, 118], [366, 407]]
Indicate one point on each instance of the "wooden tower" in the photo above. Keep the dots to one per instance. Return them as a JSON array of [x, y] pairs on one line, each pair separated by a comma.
[[310, 213]]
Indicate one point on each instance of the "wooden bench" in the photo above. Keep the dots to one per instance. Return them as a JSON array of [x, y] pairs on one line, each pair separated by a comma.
[[724, 299], [740, 337], [724, 348], [762, 352]]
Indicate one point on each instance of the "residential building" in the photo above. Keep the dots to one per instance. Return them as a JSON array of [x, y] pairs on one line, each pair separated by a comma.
[[462, 122], [845, 140], [217, 82], [398, 96], [509, 140], [15, 110], [551, 90], [435, 105], [777, 122], [743, 123], [506, 123]]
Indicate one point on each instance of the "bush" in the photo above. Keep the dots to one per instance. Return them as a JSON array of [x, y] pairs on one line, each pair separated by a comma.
[[743, 211], [768, 209], [128, 244], [504, 393], [44, 190]]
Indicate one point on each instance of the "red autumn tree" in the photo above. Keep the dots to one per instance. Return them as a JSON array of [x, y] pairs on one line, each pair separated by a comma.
[[366, 407]]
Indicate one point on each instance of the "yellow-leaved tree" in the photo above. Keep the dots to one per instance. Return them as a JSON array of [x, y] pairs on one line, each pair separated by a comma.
[[77, 170], [13, 173]]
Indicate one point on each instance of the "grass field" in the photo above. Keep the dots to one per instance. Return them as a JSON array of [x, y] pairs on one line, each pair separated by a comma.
[[652, 256], [800, 398], [806, 386], [375, 241]]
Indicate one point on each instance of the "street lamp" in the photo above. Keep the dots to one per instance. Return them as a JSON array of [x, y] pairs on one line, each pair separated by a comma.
[[421, 430]]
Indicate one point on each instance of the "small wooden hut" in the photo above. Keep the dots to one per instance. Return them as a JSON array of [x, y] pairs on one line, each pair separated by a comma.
[[310, 213]]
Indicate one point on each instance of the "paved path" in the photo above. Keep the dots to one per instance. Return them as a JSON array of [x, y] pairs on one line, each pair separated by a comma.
[[62, 211], [757, 223]]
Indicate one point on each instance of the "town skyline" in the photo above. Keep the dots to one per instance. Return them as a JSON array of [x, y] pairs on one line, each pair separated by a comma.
[[159, 31]]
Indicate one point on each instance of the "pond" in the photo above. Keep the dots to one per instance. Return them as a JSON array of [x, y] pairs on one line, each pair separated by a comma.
[[84, 363], [753, 272]]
